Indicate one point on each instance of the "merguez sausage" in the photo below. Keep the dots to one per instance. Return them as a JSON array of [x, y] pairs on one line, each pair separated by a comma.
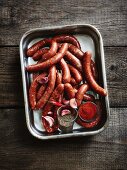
[[67, 39], [73, 60], [79, 54], [50, 62], [69, 90], [32, 50], [58, 78], [52, 51], [33, 91], [72, 81], [80, 93], [76, 74], [50, 87], [86, 97], [66, 76], [94, 70], [54, 97], [41, 91], [89, 77], [76, 51], [39, 53]]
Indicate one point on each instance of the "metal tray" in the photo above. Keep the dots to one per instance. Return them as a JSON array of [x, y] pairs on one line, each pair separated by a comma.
[[90, 39]]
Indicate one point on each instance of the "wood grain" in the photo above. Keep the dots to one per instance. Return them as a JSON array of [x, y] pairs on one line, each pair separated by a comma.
[[11, 82], [10, 78], [17, 17], [20, 151]]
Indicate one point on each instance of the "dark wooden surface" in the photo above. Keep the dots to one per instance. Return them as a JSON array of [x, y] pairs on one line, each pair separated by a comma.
[[18, 149]]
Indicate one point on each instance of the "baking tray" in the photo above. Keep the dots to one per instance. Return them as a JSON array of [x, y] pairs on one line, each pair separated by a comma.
[[90, 39]]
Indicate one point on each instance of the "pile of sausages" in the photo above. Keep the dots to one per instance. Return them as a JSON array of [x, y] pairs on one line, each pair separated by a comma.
[[63, 73]]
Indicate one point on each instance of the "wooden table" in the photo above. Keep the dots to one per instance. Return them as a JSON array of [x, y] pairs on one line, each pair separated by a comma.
[[18, 149]]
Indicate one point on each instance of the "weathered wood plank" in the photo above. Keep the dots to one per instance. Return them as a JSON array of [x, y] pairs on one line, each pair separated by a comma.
[[116, 70], [17, 17], [10, 78], [11, 83], [19, 150]]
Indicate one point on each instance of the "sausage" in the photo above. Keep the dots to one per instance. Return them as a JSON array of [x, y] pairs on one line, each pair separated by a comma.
[[89, 77], [54, 97], [69, 90], [42, 43], [52, 51], [45, 53], [76, 51], [66, 76], [80, 93], [88, 97], [35, 75], [50, 62], [33, 90], [68, 39], [79, 54], [58, 78], [72, 81], [76, 74], [50, 87], [41, 91], [73, 60], [39, 54], [94, 70]]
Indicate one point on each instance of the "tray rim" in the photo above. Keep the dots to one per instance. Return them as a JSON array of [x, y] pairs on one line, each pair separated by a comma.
[[29, 126]]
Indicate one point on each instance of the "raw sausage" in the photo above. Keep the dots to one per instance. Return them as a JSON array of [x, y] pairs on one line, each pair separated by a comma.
[[69, 90], [54, 97], [89, 77], [42, 43], [73, 60], [76, 74], [58, 78], [41, 91], [86, 97], [67, 38], [52, 51], [39, 54], [33, 91], [66, 76], [80, 93], [94, 70], [50, 87], [76, 51], [72, 81], [50, 62]]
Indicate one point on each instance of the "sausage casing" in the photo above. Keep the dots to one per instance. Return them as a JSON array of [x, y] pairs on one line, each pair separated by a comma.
[[69, 90], [50, 87], [50, 62], [89, 77], [66, 76], [80, 93]]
